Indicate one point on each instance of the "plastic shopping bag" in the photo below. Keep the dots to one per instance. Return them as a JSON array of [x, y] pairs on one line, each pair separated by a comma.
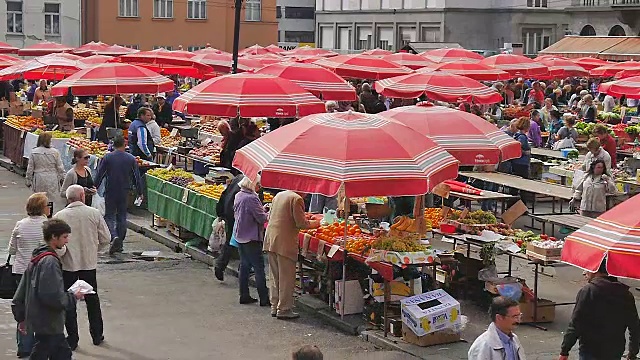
[[82, 287], [97, 202], [233, 241], [218, 235]]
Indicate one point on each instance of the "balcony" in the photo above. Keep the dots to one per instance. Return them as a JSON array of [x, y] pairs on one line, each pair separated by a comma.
[[605, 3]]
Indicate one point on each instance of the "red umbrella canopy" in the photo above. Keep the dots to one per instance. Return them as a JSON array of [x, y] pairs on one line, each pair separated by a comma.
[[630, 87], [62, 56], [248, 95], [168, 63], [275, 49], [310, 51], [96, 59], [362, 67], [447, 55], [377, 52], [560, 68], [222, 62], [412, 61], [439, 86], [467, 137], [590, 63], [612, 69], [182, 53], [628, 73], [313, 78], [44, 48], [549, 57], [516, 65], [476, 71], [7, 49], [319, 153], [49, 67], [113, 78], [208, 50], [91, 48], [116, 50], [254, 50], [7, 60], [614, 235]]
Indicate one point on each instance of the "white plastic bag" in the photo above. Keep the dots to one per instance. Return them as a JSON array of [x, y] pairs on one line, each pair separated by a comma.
[[218, 235], [97, 202], [82, 287]]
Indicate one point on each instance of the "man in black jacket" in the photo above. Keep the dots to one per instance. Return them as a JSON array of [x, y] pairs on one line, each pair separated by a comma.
[[224, 210], [604, 310], [41, 300]]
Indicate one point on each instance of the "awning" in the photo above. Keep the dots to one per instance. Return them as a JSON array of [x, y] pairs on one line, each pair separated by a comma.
[[617, 48]]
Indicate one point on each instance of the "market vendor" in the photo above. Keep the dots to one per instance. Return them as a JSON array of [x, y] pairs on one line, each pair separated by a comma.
[[608, 143], [588, 110], [596, 152], [162, 111], [42, 93], [63, 113], [111, 118], [140, 141]]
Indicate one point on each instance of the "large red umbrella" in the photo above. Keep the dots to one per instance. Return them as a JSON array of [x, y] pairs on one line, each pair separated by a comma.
[[275, 49], [113, 78], [614, 235], [589, 62], [49, 67], [116, 50], [628, 73], [7, 60], [362, 67], [412, 61], [310, 51], [44, 48], [208, 50], [7, 49], [90, 48], [167, 63], [561, 68], [377, 52], [448, 55], [182, 53], [612, 69], [549, 57], [313, 78], [467, 137], [96, 59], [248, 95], [222, 62], [630, 87], [439, 86], [319, 153], [516, 65], [471, 70], [254, 50]]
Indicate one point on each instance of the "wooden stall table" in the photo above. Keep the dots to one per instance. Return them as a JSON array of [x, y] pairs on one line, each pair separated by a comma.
[[547, 153], [571, 221], [486, 195], [13, 143]]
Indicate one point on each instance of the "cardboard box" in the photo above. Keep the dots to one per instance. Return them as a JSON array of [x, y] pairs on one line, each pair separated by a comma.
[[446, 336], [179, 231], [548, 253], [353, 297], [400, 289], [430, 312], [546, 311]]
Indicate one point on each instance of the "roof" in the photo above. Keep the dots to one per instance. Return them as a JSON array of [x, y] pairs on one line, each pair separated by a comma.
[[418, 47], [618, 48]]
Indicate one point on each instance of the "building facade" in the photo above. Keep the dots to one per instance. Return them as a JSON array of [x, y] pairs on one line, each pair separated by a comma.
[[355, 25], [28, 22], [191, 24], [296, 22], [605, 17]]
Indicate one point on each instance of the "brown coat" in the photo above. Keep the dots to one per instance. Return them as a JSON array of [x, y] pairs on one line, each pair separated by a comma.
[[286, 219]]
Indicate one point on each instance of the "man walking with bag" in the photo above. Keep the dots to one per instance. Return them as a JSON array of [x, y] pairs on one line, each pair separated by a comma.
[[90, 235]]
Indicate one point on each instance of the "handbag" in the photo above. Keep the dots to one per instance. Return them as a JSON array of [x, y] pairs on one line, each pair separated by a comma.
[[8, 285]]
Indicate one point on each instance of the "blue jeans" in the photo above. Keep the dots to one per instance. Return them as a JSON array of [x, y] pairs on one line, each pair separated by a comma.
[[115, 214], [251, 256]]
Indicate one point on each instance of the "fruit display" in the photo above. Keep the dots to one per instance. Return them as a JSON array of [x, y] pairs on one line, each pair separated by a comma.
[[164, 132], [584, 128], [210, 127], [210, 151], [398, 243], [476, 217], [334, 232], [170, 141], [142, 162], [550, 243], [57, 134], [212, 191], [359, 244], [183, 181], [26, 123], [95, 120], [433, 216], [515, 111], [606, 116], [97, 148], [268, 197], [405, 223], [633, 130], [167, 174], [84, 113]]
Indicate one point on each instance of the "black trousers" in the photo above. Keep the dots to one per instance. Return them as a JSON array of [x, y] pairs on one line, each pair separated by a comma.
[[93, 307], [50, 347], [227, 251]]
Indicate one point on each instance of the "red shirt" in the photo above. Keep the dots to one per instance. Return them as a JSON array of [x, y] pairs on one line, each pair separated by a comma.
[[609, 145]]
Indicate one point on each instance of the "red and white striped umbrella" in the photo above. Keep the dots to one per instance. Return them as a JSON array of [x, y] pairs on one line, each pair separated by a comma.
[[589, 62], [7, 60], [319, 153], [310, 51], [313, 78], [439, 86], [377, 52], [113, 78], [248, 95], [614, 235], [630, 87], [448, 55], [44, 48], [167, 63], [275, 49], [7, 49], [254, 50], [48, 67], [222, 62], [412, 61], [90, 48], [475, 71], [612, 69], [560, 68], [628, 73], [362, 67], [516, 65], [182, 53], [96, 59], [116, 50], [208, 50], [549, 57], [467, 137]]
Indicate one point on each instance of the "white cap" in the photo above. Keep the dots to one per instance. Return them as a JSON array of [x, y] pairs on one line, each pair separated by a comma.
[[161, 95]]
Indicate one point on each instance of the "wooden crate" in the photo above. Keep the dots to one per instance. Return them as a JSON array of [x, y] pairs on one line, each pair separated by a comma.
[[179, 231]]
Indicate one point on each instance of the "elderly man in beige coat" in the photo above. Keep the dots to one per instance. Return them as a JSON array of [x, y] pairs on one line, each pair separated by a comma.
[[90, 235], [286, 219]]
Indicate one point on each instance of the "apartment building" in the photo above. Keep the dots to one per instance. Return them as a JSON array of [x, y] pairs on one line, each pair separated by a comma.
[[192, 24], [296, 22], [29, 22], [605, 17]]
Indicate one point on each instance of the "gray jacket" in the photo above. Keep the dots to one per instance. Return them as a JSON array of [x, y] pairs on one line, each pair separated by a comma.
[[489, 347], [71, 179], [41, 299]]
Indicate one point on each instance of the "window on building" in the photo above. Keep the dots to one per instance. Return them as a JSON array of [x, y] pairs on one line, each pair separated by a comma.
[[128, 8], [134, 47], [365, 37], [156, 47], [292, 12], [194, 48], [253, 10], [534, 40], [52, 19], [326, 39], [14, 17], [162, 8], [197, 9], [537, 3], [278, 12], [299, 36]]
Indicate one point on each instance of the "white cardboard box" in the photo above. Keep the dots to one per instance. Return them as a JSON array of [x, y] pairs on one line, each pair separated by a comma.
[[353, 300], [431, 311]]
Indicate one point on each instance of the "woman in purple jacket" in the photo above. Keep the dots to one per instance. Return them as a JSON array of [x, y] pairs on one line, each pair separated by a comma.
[[249, 233]]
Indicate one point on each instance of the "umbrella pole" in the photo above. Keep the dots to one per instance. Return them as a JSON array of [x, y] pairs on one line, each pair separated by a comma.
[[344, 258]]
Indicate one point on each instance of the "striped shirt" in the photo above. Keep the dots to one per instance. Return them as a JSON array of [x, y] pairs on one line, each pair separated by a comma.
[[26, 237]]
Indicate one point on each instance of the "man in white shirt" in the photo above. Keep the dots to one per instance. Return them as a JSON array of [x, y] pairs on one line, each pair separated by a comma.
[[608, 103], [154, 130], [79, 259]]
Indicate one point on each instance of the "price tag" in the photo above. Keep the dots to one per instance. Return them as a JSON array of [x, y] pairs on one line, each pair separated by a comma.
[[54, 128], [185, 195], [89, 133], [174, 132], [334, 249], [22, 134]]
